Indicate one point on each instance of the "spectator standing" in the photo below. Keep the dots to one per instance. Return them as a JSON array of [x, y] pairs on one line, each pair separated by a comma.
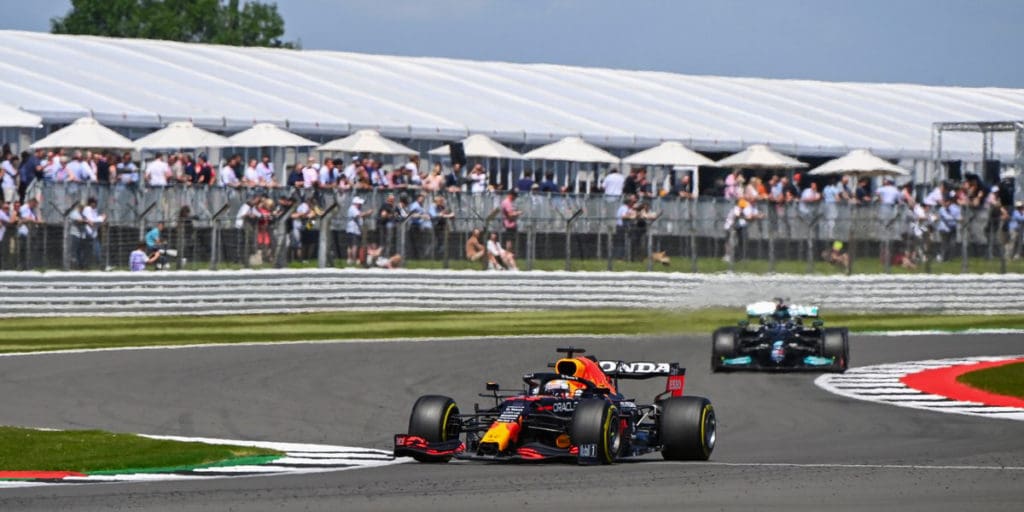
[[477, 180], [93, 220], [440, 216], [157, 172], [354, 229], [227, 175], [863, 193], [251, 176], [510, 215], [419, 226], [127, 171], [525, 182], [301, 218], [733, 185], [77, 237], [683, 186], [31, 169], [327, 177], [453, 180], [548, 186], [204, 174], [27, 219], [736, 222], [947, 225], [295, 177], [435, 180], [5, 221], [9, 177], [623, 220], [830, 198], [1015, 227], [387, 217], [612, 184], [265, 170]]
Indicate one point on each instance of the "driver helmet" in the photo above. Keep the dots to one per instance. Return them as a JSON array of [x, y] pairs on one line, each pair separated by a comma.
[[556, 387]]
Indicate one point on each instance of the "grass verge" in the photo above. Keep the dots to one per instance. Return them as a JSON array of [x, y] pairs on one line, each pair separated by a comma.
[[95, 451], [1003, 380], [36, 334]]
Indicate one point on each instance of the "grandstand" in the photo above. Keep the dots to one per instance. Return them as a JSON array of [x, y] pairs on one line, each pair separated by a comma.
[[136, 86]]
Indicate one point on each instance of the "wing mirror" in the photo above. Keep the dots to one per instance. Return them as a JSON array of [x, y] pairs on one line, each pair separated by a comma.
[[492, 386]]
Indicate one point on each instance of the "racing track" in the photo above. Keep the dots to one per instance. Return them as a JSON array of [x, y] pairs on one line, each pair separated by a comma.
[[358, 394]]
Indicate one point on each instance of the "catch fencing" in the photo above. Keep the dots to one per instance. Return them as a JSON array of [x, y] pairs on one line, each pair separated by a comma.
[[571, 232], [291, 291]]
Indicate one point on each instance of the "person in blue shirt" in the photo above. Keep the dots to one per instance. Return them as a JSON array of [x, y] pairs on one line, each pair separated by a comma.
[[548, 186], [153, 240], [1015, 227], [525, 184], [949, 221]]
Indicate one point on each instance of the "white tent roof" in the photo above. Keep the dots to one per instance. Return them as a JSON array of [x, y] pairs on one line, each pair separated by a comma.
[[13, 117], [760, 156], [859, 162], [480, 146], [367, 141], [572, 149], [181, 134], [447, 99], [84, 133], [266, 135], [668, 153]]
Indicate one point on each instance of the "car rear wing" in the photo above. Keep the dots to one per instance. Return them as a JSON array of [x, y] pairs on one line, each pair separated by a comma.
[[639, 370]]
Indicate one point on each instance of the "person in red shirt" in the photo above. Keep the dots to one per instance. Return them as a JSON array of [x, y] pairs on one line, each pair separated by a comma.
[[510, 215]]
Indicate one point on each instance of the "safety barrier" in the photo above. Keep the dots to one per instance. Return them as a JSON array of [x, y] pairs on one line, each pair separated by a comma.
[[267, 291]]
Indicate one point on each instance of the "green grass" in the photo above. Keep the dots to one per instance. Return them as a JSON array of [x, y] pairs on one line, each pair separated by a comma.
[[1004, 380], [35, 334], [87, 451]]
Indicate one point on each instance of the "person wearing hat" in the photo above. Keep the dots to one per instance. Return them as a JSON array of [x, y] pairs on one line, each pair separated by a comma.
[[736, 225], [354, 229]]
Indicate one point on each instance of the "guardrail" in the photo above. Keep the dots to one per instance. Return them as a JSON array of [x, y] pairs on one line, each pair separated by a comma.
[[247, 292]]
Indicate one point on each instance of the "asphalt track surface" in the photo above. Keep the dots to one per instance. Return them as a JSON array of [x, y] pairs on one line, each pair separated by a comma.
[[783, 443]]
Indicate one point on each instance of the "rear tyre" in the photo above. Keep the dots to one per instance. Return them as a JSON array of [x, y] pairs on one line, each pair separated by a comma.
[[835, 343], [434, 418], [723, 346], [687, 427], [596, 423]]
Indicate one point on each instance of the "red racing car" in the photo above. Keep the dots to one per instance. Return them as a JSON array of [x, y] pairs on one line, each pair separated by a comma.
[[575, 413]]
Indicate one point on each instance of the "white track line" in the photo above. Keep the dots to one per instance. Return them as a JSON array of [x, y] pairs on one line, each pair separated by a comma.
[[299, 458], [881, 384]]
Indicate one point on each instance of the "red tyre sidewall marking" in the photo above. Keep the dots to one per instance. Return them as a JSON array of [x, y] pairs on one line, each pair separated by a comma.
[[942, 381]]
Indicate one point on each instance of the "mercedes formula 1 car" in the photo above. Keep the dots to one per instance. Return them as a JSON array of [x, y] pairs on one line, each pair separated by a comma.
[[576, 413], [780, 336]]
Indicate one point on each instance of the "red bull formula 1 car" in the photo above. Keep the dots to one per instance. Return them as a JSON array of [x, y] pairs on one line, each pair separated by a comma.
[[575, 413]]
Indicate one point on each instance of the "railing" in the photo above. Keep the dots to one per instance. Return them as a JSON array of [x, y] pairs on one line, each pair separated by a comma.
[[569, 232]]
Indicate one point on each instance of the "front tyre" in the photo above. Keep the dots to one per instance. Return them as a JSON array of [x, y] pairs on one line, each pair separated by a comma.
[[687, 427], [835, 343], [436, 419], [595, 426], [723, 346]]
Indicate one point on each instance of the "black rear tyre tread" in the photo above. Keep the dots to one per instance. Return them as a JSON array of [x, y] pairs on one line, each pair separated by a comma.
[[687, 428]]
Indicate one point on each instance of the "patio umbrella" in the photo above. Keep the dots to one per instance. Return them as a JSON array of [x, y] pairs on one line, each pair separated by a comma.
[[84, 133], [14, 117], [572, 149], [670, 153], [181, 135], [859, 162], [266, 135], [480, 146], [760, 156], [367, 141]]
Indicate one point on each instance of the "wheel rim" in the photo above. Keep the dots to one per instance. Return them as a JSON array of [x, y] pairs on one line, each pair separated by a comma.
[[709, 428]]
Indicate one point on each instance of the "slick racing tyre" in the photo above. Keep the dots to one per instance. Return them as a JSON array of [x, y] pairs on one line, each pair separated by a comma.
[[595, 426], [835, 343], [723, 346], [687, 428], [434, 418]]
